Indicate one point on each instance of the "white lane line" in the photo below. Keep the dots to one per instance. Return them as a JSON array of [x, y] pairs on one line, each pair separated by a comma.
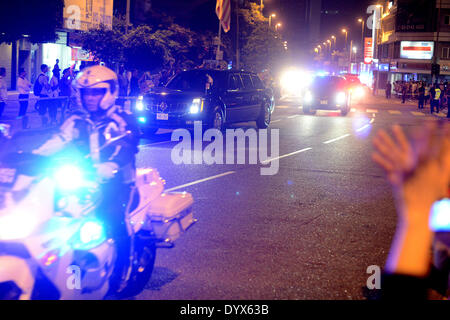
[[338, 138], [285, 155], [363, 128], [372, 120], [273, 121], [394, 112], [154, 144], [416, 113], [200, 181], [294, 116]]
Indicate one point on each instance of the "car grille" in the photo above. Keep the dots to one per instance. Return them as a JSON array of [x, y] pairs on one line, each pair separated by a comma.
[[168, 107], [14, 249]]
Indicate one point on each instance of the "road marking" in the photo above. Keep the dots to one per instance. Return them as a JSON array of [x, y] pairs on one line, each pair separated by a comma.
[[371, 110], [200, 181], [285, 155], [417, 113], [154, 144], [394, 112], [337, 139], [362, 128], [294, 116], [273, 121]]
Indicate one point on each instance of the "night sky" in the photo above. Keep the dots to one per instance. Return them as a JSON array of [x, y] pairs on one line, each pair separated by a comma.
[[200, 15]]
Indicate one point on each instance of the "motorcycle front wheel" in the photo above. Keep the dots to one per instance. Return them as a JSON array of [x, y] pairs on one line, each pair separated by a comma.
[[142, 269]]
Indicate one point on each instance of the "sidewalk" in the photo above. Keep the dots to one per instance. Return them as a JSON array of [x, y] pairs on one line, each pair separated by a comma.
[[380, 99]]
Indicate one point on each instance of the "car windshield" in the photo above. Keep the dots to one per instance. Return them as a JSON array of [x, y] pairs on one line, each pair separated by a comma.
[[326, 82], [189, 81]]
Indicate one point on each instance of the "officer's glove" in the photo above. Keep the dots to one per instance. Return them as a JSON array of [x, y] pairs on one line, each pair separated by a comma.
[[107, 170]]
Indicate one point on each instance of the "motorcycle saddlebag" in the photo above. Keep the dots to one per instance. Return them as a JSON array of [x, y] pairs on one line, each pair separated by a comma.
[[171, 215]]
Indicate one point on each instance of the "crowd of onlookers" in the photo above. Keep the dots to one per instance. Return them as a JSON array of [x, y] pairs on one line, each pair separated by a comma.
[[436, 95], [54, 93]]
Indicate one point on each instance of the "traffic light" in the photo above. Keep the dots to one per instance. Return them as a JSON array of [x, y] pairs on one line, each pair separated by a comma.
[[435, 69]]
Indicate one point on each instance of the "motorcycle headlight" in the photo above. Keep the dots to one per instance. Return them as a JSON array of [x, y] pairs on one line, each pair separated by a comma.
[[91, 234], [69, 177], [18, 224], [340, 98], [196, 106]]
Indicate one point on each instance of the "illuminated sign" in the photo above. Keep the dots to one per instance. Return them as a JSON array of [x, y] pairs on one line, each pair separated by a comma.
[[87, 14], [383, 67], [417, 50], [368, 50]]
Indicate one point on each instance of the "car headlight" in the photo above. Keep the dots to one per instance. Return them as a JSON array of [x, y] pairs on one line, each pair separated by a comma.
[[140, 103], [196, 106], [308, 97], [340, 98], [69, 177]]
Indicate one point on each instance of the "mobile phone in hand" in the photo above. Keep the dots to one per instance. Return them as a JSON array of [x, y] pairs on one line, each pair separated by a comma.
[[440, 216]]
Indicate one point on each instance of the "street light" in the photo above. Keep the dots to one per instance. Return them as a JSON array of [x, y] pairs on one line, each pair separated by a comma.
[[273, 15], [334, 39], [346, 37], [278, 26], [362, 31]]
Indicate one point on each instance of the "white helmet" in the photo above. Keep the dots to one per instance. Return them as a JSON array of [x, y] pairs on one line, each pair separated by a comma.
[[98, 77]]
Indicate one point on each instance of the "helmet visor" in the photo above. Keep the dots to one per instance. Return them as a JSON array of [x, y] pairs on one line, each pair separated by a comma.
[[91, 98]]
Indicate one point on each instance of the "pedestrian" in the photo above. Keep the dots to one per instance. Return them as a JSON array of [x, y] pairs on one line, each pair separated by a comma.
[[58, 70], [427, 93], [43, 90], [3, 90], [388, 90], [404, 91], [54, 104], [135, 91], [65, 91], [123, 86], [24, 88], [421, 97], [435, 93]]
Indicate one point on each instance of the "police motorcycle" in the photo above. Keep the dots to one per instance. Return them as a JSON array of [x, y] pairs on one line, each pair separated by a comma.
[[52, 246]]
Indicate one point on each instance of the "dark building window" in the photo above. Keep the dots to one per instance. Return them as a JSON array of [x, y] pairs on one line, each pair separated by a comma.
[[447, 20], [445, 53]]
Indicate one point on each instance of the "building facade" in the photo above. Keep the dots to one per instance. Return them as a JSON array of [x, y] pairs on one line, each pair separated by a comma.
[[414, 35]]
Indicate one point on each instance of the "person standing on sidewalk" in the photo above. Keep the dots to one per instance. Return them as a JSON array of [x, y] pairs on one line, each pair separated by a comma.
[[427, 93], [24, 88], [435, 96], [44, 93], [388, 90], [3, 91], [54, 104], [65, 90], [404, 91], [421, 92]]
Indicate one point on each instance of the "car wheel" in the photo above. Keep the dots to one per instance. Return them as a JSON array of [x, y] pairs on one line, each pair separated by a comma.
[[217, 119], [345, 111], [265, 116], [308, 110]]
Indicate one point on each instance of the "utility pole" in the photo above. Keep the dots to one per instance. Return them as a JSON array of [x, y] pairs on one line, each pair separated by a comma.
[[238, 54], [128, 15], [436, 59]]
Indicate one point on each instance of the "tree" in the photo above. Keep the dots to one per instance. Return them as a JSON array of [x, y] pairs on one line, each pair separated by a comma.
[[146, 47], [35, 19], [262, 47]]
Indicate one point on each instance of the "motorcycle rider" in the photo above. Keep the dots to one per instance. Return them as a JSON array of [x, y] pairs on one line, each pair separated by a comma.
[[89, 129]]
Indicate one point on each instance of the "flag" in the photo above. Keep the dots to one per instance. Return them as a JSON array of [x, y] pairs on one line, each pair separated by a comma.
[[223, 11]]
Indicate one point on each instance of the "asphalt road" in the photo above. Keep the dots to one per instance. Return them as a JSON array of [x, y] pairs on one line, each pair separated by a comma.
[[308, 232]]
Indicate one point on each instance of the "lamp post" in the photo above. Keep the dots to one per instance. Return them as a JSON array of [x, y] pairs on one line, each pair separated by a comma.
[[278, 25], [334, 40], [362, 32], [346, 38], [273, 15]]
